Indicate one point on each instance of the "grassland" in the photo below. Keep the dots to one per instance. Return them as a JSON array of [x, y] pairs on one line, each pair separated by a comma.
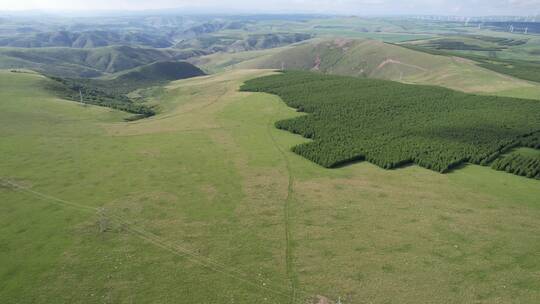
[[375, 59], [518, 68], [186, 206]]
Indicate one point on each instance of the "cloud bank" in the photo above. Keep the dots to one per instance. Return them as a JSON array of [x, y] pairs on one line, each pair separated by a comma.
[[356, 7]]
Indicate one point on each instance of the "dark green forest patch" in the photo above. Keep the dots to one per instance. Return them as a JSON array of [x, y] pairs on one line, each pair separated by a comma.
[[392, 124], [519, 163], [450, 44]]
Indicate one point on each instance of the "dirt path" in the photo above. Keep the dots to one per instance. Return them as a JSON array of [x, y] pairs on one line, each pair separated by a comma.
[[287, 217], [392, 61]]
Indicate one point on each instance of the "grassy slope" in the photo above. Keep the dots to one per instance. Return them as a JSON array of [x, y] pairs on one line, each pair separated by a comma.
[[212, 175], [379, 60], [153, 74]]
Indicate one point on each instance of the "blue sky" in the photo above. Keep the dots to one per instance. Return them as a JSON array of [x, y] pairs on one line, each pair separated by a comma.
[[357, 7]]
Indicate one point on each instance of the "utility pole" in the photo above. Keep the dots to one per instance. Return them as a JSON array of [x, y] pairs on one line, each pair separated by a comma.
[[81, 97]]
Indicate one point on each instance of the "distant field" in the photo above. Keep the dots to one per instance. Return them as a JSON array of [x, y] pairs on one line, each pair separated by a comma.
[[502, 55], [205, 203]]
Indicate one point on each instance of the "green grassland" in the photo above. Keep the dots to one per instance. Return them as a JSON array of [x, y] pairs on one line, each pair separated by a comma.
[[375, 59], [205, 203], [220, 62]]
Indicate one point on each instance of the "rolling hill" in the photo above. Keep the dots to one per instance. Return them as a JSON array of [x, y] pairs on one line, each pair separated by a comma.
[[113, 92], [376, 59], [230, 43], [71, 62], [86, 39], [149, 75]]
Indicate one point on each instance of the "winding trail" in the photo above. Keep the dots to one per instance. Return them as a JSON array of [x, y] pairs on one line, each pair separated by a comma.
[[287, 217], [392, 61]]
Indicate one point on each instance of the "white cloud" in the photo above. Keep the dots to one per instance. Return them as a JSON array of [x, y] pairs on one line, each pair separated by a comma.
[[466, 7]]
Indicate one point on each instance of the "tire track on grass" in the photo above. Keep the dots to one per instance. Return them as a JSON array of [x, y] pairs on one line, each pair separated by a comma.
[[287, 216], [246, 278]]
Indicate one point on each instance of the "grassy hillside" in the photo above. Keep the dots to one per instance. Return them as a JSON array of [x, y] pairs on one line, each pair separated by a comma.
[[375, 59], [69, 62], [522, 69], [113, 92], [205, 203], [153, 74]]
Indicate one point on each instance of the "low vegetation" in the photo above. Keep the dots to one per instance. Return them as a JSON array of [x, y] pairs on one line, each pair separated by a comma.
[[392, 124], [522, 69]]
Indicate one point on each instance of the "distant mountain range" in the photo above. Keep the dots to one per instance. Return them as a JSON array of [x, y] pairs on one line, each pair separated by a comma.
[[91, 62], [88, 39], [226, 43]]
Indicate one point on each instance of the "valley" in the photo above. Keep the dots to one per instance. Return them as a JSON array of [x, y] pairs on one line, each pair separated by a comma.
[[273, 158]]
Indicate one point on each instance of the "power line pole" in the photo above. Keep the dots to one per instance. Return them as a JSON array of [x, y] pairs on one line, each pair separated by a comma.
[[81, 97]]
